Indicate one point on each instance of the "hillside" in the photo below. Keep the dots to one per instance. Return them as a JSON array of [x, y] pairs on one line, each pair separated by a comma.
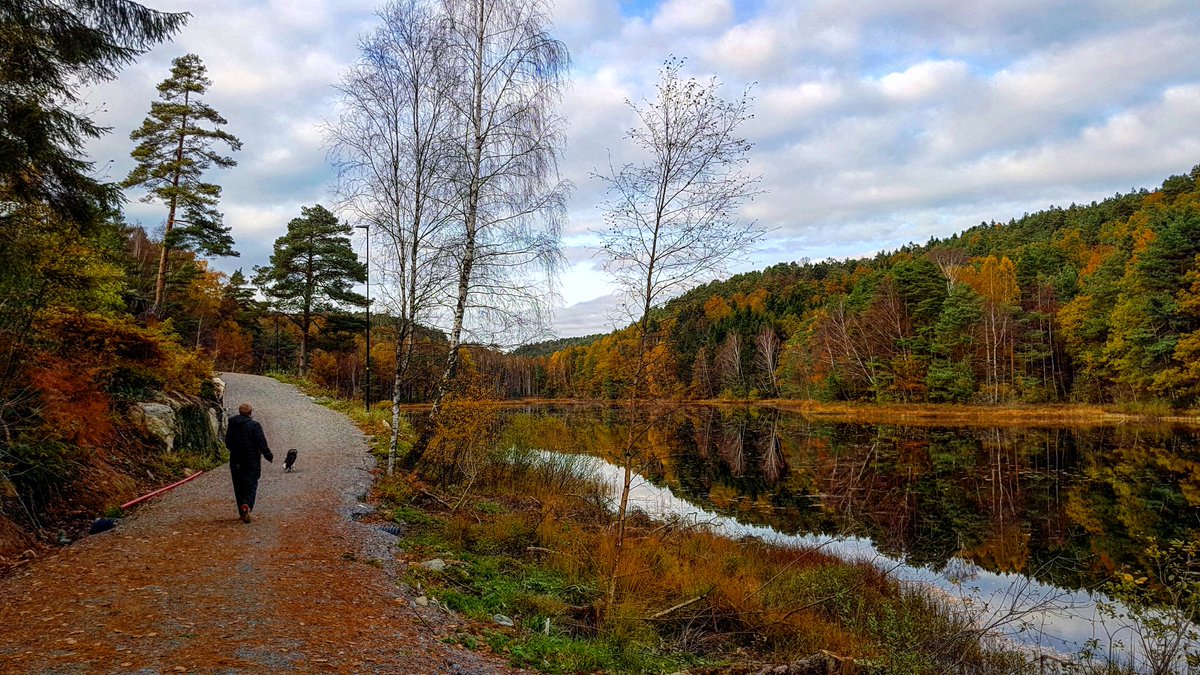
[[1089, 303], [548, 347]]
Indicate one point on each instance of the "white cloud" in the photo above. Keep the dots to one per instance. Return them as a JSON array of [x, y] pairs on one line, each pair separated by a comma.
[[692, 15], [749, 48], [781, 110], [585, 282], [923, 80], [598, 315]]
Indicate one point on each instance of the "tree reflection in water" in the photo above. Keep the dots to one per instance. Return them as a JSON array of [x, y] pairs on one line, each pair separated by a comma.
[[1065, 506]]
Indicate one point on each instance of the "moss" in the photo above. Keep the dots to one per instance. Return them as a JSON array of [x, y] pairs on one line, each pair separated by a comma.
[[195, 434]]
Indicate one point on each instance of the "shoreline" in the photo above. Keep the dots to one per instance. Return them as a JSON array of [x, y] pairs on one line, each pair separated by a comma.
[[909, 414]]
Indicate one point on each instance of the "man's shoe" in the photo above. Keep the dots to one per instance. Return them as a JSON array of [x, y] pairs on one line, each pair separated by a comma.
[[245, 513]]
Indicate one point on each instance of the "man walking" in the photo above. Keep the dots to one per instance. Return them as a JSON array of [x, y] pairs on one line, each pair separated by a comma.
[[246, 441]]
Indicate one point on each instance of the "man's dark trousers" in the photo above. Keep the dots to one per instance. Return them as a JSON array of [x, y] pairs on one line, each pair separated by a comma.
[[245, 483]]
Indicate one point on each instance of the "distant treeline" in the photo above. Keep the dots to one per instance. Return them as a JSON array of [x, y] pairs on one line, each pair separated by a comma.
[[1089, 303]]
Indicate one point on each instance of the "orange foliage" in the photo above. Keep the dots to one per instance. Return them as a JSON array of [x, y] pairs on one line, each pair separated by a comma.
[[323, 369], [118, 348], [755, 301], [72, 405], [233, 348], [1096, 259]]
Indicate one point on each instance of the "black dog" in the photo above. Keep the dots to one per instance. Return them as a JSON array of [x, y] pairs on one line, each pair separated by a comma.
[[290, 461]]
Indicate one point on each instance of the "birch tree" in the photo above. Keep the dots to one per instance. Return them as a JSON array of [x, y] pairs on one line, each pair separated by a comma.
[[504, 78], [389, 147], [766, 357], [729, 363], [671, 222]]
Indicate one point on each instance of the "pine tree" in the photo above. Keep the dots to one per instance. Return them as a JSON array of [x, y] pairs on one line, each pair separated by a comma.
[[951, 375], [47, 50], [312, 267], [173, 152]]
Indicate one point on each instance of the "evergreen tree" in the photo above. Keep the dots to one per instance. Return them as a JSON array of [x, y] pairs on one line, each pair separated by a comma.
[[312, 268], [248, 311], [47, 50], [951, 376], [173, 152]]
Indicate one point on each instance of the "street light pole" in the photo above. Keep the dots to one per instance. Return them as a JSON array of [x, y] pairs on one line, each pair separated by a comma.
[[367, 391]]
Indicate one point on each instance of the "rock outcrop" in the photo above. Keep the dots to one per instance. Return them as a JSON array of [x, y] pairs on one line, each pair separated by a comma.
[[186, 423]]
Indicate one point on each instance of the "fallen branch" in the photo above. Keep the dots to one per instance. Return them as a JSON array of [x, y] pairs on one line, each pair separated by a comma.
[[436, 498], [541, 549], [463, 498], [685, 603]]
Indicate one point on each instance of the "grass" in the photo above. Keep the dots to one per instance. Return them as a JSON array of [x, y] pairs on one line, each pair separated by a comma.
[[492, 573], [533, 541]]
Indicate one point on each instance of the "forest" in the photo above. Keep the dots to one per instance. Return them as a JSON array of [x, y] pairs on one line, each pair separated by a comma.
[[444, 158], [1088, 303], [1095, 303]]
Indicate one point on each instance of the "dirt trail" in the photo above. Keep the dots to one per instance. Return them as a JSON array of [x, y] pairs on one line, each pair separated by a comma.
[[183, 586]]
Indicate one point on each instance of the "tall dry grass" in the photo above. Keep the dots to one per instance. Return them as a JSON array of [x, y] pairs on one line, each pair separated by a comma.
[[684, 590]]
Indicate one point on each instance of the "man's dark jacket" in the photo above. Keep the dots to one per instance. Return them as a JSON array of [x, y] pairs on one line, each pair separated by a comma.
[[246, 442]]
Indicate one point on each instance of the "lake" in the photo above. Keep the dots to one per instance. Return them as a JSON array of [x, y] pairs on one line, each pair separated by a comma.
[[1025, 524]]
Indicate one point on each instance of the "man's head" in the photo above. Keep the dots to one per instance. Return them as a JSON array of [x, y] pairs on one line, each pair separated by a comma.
[[245, 409]]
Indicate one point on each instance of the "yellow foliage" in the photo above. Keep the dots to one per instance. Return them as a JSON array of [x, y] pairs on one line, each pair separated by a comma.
[[995, 280], [1072, 317], [716, 309]]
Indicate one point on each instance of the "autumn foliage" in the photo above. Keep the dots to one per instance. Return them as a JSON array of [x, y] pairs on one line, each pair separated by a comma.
[[1093, 303]]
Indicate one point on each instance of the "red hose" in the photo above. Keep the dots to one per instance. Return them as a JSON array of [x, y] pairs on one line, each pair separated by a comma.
[[159, 491]]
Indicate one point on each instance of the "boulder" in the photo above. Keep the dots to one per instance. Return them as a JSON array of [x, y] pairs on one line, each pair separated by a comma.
[[159, 419]]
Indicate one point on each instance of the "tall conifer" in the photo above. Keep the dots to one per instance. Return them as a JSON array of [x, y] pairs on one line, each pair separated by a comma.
[[312, 268], [47, 50], [173, 152]]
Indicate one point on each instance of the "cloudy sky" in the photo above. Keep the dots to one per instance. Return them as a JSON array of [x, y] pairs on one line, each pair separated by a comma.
[[876, 123]]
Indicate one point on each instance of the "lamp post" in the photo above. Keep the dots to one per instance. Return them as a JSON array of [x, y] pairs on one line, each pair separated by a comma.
[[367, 391]]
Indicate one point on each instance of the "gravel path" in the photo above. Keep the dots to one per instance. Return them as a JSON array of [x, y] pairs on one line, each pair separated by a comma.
[[184, 586]]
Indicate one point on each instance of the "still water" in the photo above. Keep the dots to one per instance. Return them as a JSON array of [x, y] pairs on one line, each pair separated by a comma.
[[1024, 524]]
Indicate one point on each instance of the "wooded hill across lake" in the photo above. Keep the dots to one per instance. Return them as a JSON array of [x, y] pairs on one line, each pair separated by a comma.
[[1095, 303]]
